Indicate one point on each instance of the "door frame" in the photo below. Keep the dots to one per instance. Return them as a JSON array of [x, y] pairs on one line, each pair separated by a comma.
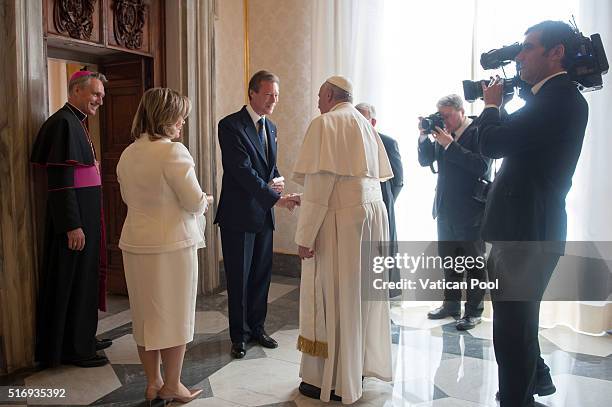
[[189, 40]]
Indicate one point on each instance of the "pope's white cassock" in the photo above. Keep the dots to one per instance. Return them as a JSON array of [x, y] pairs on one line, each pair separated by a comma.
[[343, 335]]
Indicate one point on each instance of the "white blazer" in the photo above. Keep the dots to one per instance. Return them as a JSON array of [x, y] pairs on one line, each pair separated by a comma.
[[164, 199]]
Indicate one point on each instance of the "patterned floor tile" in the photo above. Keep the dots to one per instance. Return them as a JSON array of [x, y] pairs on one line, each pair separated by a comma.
[[579, 391], [83, 386], [242, 382], [416, 317], [210, 322], [434, 364], [114, 321], [571, 341], [468, 379], [123, 351], [287, 350]]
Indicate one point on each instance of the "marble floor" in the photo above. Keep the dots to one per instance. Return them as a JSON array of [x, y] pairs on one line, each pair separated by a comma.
[[434, 364]]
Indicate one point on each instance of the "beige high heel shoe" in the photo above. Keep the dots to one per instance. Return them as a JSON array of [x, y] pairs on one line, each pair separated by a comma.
[[175, 397], [151, 393]]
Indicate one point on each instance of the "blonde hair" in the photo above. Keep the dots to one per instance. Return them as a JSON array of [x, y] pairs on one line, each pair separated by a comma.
[[158, 112]]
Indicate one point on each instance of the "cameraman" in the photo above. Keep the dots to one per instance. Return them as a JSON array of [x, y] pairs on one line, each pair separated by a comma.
[[458, 213], [525, 215]]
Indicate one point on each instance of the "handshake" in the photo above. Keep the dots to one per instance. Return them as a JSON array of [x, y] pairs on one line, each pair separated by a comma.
[[288, 201]]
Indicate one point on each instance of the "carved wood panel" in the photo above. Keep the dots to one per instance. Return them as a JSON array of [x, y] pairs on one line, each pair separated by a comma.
[[129, 24], [77, 19], [129, 21]]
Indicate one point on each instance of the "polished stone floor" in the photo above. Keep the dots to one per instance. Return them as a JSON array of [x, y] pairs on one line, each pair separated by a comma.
[[434, 364]]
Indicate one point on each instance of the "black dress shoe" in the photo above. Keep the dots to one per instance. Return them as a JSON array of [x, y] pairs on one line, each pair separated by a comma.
[[468, 322], [95, 361], [545, 387], [314, 392], [103, 343], [238, 350], [443, 312], [266, 341]]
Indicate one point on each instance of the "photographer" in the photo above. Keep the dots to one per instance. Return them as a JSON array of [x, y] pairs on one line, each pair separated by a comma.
[[458, 213], [540, 144]]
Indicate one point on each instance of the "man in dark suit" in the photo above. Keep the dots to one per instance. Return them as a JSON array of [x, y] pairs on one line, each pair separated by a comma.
[[458, 213], [390, 188], [250, 189], [525, 215]]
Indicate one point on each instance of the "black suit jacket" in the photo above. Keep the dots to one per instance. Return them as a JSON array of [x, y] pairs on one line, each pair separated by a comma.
[[246, 201], [459, 169], [391, 188], [540, 144]]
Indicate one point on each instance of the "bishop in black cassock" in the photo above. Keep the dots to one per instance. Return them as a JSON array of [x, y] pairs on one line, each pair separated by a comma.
[[70, 279]]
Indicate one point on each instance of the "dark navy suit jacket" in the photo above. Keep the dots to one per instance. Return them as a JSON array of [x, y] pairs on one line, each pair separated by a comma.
[[246, 202], [540, 144], [391, 188]]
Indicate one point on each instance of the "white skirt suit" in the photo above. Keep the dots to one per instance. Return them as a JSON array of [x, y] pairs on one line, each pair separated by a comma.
[[161, 234]]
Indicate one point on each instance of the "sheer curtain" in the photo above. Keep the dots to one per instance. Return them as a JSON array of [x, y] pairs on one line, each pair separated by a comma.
[[403, 56]]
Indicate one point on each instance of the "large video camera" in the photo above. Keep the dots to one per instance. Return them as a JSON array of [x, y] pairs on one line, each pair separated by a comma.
[[588, 63]]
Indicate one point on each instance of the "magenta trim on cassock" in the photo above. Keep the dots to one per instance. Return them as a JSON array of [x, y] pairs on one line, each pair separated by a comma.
[[86, 177]]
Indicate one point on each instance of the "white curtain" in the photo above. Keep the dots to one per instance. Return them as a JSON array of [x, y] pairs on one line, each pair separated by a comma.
[[402, 56]]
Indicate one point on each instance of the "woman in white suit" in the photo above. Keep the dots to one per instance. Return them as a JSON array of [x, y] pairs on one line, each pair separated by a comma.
[[160, 236]]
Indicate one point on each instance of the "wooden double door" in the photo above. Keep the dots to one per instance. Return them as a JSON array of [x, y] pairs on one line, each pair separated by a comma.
[[127, 81]]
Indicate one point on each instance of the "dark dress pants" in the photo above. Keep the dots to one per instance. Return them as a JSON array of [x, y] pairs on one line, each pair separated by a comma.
[[523, 276], [247, 258], [462, 241]]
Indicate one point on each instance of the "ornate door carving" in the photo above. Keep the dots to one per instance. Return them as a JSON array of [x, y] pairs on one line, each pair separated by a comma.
[[129, 22]]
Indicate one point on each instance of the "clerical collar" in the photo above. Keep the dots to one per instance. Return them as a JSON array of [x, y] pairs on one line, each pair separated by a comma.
[[77, 112], [536, 88], [254, 116]]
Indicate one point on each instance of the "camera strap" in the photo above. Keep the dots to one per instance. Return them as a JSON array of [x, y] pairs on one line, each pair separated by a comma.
[[436, 158]]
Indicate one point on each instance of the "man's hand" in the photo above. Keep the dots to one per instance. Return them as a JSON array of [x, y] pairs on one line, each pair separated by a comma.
[[278, 187], [289, 201], [278, 184], [305, 252], [494, 93], [442, 137], [76, 239], [421, 131]]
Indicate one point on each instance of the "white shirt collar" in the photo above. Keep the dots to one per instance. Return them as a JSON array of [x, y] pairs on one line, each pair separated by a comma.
[[466, 122], [254, 116], [536, 88]]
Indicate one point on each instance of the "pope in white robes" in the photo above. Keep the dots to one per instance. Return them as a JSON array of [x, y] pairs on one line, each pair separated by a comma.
[[344, 335]]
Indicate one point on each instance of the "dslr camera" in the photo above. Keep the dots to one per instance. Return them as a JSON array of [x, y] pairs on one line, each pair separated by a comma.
[[588, 62], [429, 123]]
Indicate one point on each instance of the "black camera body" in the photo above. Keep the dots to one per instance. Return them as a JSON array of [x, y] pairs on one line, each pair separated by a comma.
[[429, 123], [589, 62], [472, 90]]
